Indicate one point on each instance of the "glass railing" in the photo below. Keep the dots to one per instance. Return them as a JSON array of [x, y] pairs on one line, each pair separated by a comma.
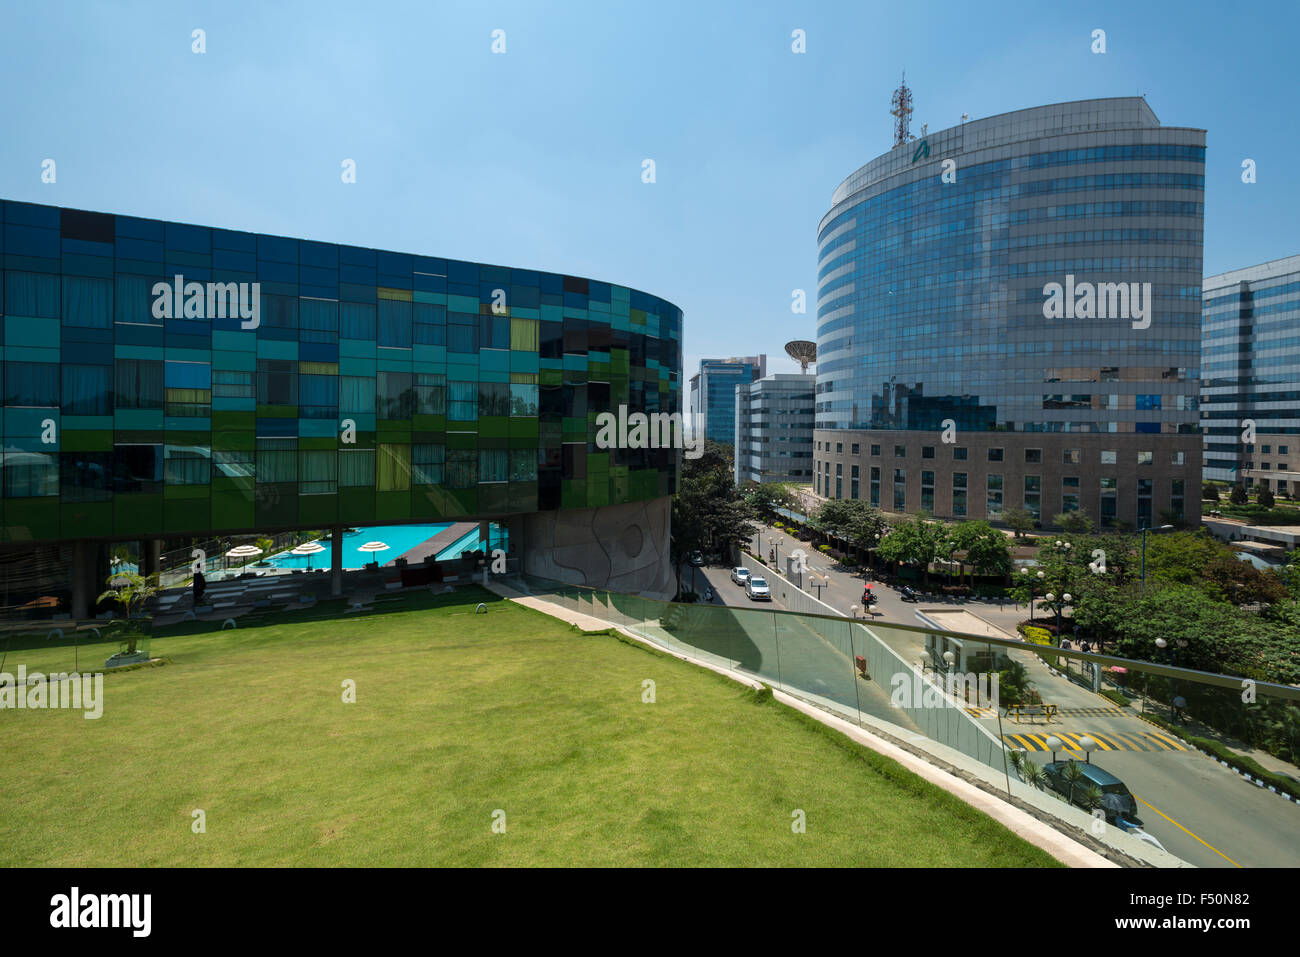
[[1157, 763]]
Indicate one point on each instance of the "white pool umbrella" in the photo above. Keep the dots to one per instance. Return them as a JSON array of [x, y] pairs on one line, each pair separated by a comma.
[[309, 549], [245, 552], [372, 547]]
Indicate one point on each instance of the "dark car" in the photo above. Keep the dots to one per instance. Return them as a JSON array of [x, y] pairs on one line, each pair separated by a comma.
[[1117, 799]]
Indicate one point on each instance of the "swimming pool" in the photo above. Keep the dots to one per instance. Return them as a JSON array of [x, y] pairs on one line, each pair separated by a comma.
[[398, 538]]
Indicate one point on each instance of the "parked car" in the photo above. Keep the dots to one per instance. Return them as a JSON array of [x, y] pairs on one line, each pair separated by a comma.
[[1117, 799], [697, 559], [758, 590], [740, 575]]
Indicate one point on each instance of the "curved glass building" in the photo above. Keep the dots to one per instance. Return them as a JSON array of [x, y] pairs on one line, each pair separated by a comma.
[[1009, 317], [163, 380]]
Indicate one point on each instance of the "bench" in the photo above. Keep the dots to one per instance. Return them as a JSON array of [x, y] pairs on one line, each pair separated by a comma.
[[1031, 711]]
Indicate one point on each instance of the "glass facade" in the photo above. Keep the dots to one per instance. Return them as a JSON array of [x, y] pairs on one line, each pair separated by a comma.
[[930, 295], [774, 430], [1250, 370], [1031, 282], [352, 386]]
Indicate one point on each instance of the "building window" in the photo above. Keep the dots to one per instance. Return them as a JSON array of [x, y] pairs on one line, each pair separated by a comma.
[[1109, 501], [958, 493], [1034, 496], [993, 506], [900, 490], [959, 453], [87, 390], [927, 491], [1146, 458], [875, 486], [1109, 456], [1071, 457], [1144, 502], [1176, 497], [900, 451], [927, 451], [839, 448], [318, 472], [1033, 456], [853, 482], [1070, 493], [875, 450], [856, 447], [1176, 458], [995, 455]]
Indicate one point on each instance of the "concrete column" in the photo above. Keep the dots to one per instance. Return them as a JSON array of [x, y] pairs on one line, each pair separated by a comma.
[[150, 556], [336, 560]]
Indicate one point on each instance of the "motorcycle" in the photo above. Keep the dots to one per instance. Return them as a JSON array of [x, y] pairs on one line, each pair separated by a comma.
[[908, 595]]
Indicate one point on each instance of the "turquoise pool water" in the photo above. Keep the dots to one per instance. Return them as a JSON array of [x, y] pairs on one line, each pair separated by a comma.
[[398, 538]]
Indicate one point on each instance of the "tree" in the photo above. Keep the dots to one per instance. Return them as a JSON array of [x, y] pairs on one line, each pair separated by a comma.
[[1073, 775], [766, 497], [1265, 497], [1238, 495], [709, 512], [132, 592], [1074, 521], [1209, 492], [915, 542], [853, 522], [1020, 519], [986, 548]]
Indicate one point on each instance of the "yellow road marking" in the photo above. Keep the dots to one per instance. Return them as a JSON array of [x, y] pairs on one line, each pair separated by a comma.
[[1164, 739], [1189, 833]]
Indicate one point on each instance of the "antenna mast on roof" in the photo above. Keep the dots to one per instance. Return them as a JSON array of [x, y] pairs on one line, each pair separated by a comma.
[[901, 104]]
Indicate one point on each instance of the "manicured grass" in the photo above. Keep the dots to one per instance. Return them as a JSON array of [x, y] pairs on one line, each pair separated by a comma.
[[457, 715]]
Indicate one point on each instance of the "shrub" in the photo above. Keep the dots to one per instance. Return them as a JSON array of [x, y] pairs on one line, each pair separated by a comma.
[[1209, 492], [1116, 696], [1035, 635], [1238, 495], [1265, 497]]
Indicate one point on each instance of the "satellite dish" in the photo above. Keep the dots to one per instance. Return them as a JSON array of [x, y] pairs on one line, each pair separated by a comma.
[[803, 352]]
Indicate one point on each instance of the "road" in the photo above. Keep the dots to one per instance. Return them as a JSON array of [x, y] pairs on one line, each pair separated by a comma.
[[1199, 810]]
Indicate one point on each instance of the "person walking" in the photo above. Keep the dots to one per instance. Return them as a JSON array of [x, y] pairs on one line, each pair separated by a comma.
[[200, 586]]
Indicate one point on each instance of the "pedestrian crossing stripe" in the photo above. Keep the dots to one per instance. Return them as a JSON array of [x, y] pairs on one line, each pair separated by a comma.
[[1111, 741], [982, 712], [1096, 712]]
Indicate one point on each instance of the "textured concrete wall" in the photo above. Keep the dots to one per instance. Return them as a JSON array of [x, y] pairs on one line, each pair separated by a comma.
[[620, 547]]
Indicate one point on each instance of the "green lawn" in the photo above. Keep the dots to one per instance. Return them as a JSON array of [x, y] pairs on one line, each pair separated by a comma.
[[457, 715]]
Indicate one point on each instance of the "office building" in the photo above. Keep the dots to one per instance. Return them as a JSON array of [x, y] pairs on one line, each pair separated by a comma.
[[774, 429]]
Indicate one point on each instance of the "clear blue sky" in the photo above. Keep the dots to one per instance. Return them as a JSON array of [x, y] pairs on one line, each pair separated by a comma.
[[533, 158]]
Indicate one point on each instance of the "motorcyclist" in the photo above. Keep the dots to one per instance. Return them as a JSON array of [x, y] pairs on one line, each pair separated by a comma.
[[868, 599]]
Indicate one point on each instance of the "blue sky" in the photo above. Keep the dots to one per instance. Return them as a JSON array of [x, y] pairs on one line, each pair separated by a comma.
[[533, 158]]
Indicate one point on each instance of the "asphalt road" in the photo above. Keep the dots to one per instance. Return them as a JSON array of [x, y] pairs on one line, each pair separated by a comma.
[[1199, 810]]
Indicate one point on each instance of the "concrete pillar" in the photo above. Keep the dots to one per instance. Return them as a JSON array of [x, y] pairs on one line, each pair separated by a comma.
[[83, 567], [336, 560], [150, 556]]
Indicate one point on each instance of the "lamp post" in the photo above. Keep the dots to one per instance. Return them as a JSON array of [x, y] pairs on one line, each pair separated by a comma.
[[1053, 743], [1058, 605], [1087, 744], [1030, 579], [1162, 528]]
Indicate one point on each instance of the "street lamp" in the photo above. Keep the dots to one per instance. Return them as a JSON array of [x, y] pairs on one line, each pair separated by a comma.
[[1030, 579], [1058, 605], [1053, 743], [1087, 744], [949, 659], [1162, 528]]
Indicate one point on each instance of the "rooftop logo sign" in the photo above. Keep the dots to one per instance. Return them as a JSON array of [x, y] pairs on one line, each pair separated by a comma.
[[922, 151], [213, 300]]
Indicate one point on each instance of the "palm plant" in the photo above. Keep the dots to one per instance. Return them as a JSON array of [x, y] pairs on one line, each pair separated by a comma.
[[1073, 774], [132, 592], [1032, 774], [1091, 797]]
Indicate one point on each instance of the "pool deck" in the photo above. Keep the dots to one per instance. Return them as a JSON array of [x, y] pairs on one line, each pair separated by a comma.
[[432, 546]]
